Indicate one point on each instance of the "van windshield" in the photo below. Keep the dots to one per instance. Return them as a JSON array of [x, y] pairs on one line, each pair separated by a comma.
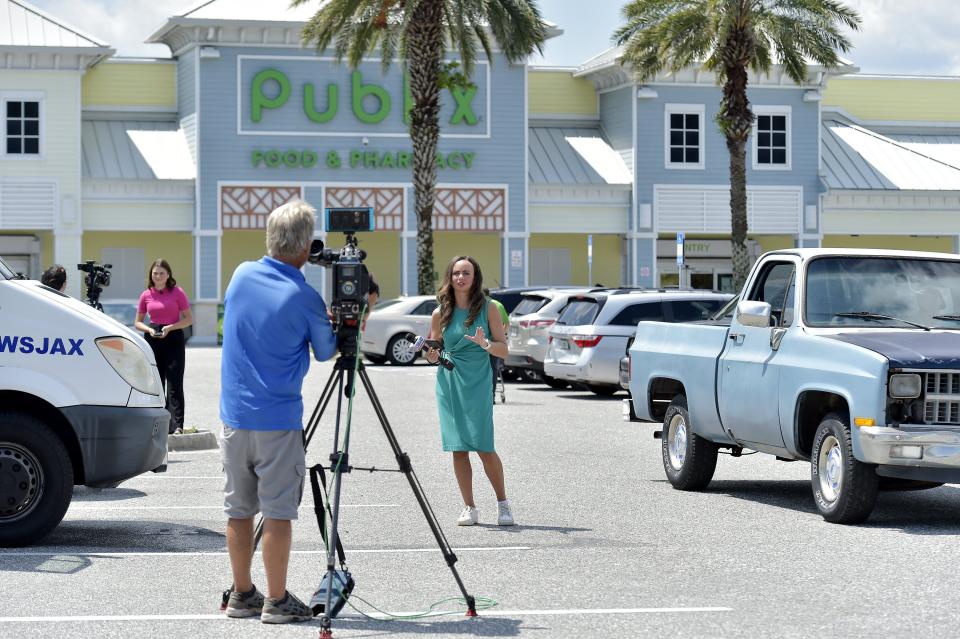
[[5, 271]]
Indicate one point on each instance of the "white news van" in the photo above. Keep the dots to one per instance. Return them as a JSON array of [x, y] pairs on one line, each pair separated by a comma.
[[80, 404]]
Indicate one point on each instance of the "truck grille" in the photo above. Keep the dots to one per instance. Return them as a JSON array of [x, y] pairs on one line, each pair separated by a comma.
[[942, 398]]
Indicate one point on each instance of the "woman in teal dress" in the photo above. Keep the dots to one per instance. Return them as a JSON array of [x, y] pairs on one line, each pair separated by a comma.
[[464, 319]]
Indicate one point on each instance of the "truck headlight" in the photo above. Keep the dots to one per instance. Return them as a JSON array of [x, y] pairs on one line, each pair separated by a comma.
[[904, 386], [130, 363]]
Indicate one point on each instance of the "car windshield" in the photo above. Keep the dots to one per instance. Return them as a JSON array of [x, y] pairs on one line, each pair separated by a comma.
[[382, 304], [579, 312], [882, 292], [529, 304], [5, 271]]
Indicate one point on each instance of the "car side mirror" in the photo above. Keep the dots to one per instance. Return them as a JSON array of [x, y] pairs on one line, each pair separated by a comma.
[[756, 314]]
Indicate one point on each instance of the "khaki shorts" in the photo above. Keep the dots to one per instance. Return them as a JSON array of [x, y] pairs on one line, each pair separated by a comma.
[[264, 470]]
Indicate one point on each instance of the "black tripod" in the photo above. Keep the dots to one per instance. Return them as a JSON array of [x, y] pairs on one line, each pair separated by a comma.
[[342, 380]]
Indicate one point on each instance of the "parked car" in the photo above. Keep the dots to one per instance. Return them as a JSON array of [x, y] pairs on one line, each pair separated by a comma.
[[589, 337], [530, 323], [385, 335], [846, 358], [512, 296]]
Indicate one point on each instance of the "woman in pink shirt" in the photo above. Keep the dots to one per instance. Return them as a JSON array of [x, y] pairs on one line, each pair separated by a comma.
[[169, 310]]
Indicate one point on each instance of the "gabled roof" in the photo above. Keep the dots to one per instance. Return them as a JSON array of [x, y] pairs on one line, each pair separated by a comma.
[[24, 25], [858, 158]]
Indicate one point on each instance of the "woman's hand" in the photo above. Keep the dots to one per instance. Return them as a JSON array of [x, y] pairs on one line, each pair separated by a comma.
[[479, 339], [160, 333], [432, 355]]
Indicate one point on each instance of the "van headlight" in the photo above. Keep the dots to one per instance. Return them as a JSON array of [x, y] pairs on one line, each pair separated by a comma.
[[904, 386], [130, 363]]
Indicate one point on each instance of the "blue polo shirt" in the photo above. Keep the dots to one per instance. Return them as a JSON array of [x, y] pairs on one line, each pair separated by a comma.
[[271, 317]]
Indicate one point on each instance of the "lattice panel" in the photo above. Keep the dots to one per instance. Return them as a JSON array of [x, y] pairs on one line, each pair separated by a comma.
[[247, 207], [470, 210], [387, 203]]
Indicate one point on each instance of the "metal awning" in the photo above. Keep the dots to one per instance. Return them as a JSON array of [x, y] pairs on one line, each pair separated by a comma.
[[130, 150], [574, 156], [855, 158]]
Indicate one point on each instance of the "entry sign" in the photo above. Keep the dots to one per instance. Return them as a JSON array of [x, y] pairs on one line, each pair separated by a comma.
[[680, 239]]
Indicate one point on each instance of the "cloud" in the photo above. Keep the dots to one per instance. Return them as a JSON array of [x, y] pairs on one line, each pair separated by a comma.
[[896, 37], [915, 38], [123, 24]]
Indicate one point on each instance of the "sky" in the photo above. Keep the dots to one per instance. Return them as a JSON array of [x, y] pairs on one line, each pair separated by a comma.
[[911, 37]]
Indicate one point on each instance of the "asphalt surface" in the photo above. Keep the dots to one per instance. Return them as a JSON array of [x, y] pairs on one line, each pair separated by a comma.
[[604, 546]]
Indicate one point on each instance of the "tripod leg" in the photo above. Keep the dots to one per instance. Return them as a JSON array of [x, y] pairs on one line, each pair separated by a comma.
[[404, 461]]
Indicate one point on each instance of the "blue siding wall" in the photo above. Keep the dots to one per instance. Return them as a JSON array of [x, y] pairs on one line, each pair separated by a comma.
[[496, 139], [186, 85], [616, 120], [650, 142], [209, 282]]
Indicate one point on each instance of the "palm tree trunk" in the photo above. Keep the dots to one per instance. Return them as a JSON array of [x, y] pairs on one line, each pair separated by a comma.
[[736, 121], [426, 48]]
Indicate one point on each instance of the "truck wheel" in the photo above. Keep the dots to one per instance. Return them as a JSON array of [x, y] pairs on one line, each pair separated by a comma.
[[400, 351], [844, 488], [688, 459], [36, 479]]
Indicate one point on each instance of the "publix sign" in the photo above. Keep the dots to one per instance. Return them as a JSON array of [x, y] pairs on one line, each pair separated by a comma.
[[317, 96]]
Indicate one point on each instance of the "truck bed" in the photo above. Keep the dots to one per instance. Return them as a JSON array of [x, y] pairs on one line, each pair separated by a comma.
[[686, 353]]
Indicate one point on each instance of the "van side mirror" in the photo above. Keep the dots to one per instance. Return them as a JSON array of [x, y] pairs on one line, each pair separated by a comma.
[[756, 314]]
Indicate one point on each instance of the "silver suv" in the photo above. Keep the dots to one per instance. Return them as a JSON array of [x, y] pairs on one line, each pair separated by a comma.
[[530, 322], [590, 335]]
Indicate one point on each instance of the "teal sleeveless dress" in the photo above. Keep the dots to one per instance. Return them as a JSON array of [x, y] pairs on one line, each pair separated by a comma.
[[464, 399]]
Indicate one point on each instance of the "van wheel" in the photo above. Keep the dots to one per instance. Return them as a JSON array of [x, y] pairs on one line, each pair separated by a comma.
[[36, 479], [688, 459], [844, 488], [400, 351]]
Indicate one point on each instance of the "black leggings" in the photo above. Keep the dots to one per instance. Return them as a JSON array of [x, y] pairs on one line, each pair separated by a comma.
[[170, 352]]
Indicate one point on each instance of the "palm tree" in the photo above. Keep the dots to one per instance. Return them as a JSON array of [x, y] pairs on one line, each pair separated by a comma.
[[419, 32], [729, 37]]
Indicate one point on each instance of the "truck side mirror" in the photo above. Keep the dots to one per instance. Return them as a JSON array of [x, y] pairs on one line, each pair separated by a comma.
[[756, 314]]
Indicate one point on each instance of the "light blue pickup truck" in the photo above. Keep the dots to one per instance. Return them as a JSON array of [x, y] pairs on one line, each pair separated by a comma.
[[847, 358]]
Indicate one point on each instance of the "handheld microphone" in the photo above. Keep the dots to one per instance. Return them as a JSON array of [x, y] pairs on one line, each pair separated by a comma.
[[419, 342]]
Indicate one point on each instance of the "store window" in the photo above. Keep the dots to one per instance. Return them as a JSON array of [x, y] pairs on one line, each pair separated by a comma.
[[684, 136], [21, 125], [128, 275], [771, 140]]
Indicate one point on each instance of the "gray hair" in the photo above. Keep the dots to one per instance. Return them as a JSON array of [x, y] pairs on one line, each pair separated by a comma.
[[290, 229]]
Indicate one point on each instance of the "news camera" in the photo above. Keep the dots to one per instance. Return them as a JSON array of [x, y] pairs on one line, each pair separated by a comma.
[[97, 276], [351, 281]]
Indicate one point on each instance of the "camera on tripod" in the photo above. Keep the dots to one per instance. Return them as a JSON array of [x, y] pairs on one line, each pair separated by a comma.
[[97, 276], [351, 282]]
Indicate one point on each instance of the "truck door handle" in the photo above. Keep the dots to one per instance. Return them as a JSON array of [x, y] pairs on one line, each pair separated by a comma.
[[737, 338]]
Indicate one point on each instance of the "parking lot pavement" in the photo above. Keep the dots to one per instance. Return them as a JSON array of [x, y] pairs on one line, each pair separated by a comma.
[[604, 546]]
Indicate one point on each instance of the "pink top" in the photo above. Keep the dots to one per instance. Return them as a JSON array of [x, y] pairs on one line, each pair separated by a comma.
[[164, 306]]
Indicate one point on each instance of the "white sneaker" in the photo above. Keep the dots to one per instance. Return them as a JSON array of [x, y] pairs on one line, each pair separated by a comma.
[[468, 516], [504, 514]]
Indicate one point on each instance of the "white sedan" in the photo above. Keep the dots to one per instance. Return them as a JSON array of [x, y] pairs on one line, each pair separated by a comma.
[[385, 336]]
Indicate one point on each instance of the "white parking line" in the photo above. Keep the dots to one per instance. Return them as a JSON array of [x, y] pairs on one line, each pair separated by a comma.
[[165, 476], [361, 551], [89, 507], [484, 613]]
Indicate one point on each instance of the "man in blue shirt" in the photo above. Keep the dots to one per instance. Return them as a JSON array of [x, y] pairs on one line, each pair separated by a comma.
[[271, 319]]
